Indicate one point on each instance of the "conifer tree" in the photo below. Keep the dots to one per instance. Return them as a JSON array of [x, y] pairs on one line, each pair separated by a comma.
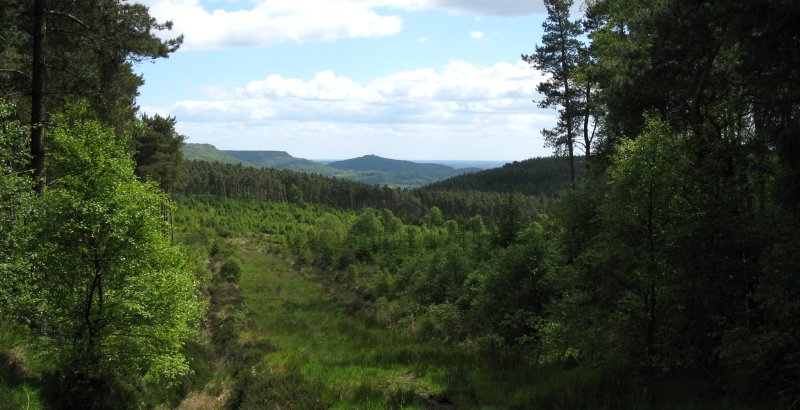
[[558, 56]]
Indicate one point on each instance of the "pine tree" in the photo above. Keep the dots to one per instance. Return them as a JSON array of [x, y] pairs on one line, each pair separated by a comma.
[[558, 56]]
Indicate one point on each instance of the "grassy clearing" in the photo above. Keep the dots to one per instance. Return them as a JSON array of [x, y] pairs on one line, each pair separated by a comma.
[[323, 357], [347, 362]]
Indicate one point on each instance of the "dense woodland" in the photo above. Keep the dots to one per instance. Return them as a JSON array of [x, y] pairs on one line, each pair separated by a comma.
[[650, 264], [533, 177]]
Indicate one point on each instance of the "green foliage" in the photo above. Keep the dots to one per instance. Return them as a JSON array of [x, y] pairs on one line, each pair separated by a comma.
[[16, 205], [433, 218], [157, 150], [115, 300], [231, 270], [90, 51], [295, 195]]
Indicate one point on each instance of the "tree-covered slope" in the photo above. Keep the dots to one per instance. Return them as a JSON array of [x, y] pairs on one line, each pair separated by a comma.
[[203, 178], [535, 176]]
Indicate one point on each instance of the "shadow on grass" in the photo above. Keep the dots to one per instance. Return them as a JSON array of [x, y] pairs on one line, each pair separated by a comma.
[[16, 384]]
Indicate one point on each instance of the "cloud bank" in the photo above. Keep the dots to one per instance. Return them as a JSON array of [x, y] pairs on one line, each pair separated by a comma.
[[272, 22], [455, 109]]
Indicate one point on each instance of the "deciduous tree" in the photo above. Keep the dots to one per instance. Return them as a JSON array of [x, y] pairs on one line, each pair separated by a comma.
[[115, 293]]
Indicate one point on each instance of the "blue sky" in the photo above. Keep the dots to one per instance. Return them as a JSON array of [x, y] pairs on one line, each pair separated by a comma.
[[406, 79]]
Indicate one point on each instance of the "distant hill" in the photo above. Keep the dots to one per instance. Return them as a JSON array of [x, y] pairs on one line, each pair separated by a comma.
[[369, 169], [210, 153], [535, 176], [411, 169]]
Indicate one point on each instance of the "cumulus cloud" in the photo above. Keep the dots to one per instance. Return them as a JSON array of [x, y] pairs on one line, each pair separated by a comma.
[[268, 22], [457, 89], [271, 22], [422, 107], [476, 34]]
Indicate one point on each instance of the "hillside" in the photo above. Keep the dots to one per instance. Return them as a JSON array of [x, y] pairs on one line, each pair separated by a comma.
[[210, 153], [369, 169], [409, 168], [534, 176], [281, 160]]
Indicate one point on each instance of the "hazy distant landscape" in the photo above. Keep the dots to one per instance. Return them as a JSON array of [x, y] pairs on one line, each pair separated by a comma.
[[370, 169], [453, 163]]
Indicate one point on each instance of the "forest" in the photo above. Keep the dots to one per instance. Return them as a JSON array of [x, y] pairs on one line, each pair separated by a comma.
[[650, 263]]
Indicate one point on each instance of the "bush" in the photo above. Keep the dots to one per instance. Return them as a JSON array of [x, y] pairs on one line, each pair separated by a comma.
[[231, 270]]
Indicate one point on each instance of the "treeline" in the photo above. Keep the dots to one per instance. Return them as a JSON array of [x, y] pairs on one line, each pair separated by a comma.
[[677, 255], [267, 184]]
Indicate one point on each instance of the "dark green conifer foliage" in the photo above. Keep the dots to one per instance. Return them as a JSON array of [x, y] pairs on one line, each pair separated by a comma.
[[157, 150], [559, 56]]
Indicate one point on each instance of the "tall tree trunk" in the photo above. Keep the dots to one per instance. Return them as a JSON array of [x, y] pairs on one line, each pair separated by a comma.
[[568, 114], [587, 141], [38, 93], [565, 72]]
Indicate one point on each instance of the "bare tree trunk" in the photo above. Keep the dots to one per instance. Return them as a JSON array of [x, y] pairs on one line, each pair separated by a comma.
[[38, 93]]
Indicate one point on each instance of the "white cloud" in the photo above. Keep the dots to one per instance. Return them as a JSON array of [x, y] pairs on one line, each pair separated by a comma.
[[423, 39], [492, 7], [459, 106], [271, 22], [268, 22], [477, 34]]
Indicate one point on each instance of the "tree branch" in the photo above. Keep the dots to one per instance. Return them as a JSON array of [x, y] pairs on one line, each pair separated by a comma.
[[69, 16], [14, 70]]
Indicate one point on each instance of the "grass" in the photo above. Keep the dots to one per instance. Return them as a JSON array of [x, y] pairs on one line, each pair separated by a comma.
[[20, 388], [346, 362]]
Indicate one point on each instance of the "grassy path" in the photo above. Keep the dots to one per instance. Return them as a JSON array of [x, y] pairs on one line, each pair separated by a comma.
[[347, 362]]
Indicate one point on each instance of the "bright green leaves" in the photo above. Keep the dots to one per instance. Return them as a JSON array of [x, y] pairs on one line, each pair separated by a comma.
[[116, 299], [16, 197], [646, 180]]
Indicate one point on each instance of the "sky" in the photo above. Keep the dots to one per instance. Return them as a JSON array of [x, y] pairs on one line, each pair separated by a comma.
[[334, 79]]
